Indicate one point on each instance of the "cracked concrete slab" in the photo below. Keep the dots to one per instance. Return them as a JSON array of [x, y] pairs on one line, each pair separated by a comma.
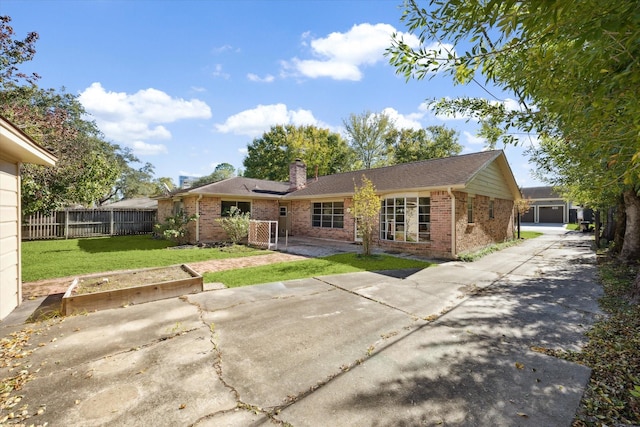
[[333, 350], [275, 350], [439, 375]]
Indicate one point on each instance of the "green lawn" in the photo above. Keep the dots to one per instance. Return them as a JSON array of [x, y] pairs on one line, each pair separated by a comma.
[[529, 234], [48, 259], [333, 264]]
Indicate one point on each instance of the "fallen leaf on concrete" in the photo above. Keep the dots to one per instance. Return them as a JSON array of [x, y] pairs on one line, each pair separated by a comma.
[[523, 415], [519, 365], [182, 406]]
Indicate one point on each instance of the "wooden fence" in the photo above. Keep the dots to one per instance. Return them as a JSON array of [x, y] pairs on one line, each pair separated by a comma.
[[72, 223]]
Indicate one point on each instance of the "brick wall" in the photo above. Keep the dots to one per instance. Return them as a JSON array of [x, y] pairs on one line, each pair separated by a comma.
[[301, 223], [483, 231], [165, 209]]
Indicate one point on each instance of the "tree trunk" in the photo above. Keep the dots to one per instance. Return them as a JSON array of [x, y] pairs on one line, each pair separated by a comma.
[[630, 251], [609, 231], [621, 225]]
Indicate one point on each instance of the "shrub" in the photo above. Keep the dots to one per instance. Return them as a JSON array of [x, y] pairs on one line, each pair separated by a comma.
[[236, 225], [175, 228]]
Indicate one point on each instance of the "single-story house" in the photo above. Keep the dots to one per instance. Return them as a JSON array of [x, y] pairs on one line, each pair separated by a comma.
[[16, 148], [437, 208]]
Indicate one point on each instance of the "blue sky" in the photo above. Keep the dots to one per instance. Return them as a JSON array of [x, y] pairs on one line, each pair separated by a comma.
[[189, 84]]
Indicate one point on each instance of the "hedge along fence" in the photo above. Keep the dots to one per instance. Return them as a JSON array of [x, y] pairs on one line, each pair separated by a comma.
[[72, 223]]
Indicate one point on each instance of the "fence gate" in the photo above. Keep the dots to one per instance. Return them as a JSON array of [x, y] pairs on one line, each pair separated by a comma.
[[263, 234]]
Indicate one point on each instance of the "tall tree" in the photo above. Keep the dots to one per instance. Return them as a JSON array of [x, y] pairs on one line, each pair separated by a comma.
[[87, 165], [221, 172], [573, 67], [131, 182], [366, 133], [323, 151], [410, 145]]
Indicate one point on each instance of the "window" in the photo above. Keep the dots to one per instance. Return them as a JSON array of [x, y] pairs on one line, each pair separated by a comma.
[[328, 215], [406, 219], [491, 209], [469, 209], [244, 207], [178, 208], [283, 211]]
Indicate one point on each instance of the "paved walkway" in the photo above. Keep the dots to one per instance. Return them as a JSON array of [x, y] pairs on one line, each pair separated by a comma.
[[457, 344]]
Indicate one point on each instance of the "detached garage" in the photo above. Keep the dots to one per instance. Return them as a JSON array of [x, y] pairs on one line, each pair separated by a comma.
[[551, 214], [16, 148], [547, 207]]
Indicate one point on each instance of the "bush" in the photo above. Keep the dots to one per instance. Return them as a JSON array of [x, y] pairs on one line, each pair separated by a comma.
[[236, 225], [175, 228]]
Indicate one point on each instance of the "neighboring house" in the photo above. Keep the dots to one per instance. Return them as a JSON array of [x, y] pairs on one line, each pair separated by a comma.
[[547, 206], [16, 148], [437, 208]]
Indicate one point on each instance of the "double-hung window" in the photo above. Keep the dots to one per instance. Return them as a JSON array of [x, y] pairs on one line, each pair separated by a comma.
[[405, 219], [327, 215]]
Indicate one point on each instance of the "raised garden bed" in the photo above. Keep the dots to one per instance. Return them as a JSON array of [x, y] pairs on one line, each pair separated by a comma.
[[104, 291]]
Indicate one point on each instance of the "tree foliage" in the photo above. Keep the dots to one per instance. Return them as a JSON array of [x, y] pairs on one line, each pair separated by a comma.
[[13, 53], [410, 145], [269, 157], [236, 224], [366, 209], [367, 138], [573, 68], [87, 165], [221, 172], [89, 170]]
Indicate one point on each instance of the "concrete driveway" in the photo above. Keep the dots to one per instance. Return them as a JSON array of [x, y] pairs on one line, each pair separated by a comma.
[[451, 345]]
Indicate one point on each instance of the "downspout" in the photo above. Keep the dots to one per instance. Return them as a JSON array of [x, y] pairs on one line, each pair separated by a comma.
[[453, 222], [198, 218]]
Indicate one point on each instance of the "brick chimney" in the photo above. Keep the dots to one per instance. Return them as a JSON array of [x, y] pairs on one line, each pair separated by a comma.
[[297, 175]]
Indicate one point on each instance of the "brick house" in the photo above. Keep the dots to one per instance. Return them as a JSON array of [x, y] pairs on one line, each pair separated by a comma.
[[436, 208]]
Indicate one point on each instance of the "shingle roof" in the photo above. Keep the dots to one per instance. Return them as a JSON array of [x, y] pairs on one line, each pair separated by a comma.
[[454, 171], [137, 203], [536, 193], [241, 186]]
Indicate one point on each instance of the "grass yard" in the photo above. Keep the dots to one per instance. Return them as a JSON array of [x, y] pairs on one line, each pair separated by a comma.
[[333, 264], [48, 259]]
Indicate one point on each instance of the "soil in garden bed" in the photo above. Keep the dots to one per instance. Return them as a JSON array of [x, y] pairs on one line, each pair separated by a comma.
[[110, 282]]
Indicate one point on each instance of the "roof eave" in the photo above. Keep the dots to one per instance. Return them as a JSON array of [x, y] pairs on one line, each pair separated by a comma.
[[21, 147]]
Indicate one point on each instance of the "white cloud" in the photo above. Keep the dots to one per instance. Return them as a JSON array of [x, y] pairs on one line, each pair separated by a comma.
[[341, 55], [222, 49], [243, 150], [401, 121], [133, 119], [258, 120], [144, 149], [256, 78], [217, 72], [473, 139]]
